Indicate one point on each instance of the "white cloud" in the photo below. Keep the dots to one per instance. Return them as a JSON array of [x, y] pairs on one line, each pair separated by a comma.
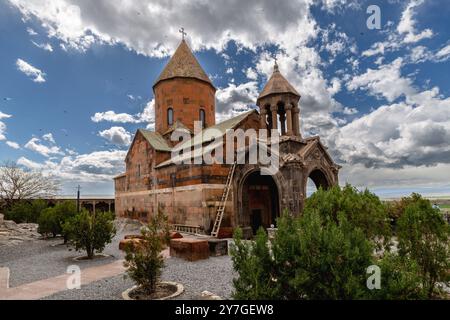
[[79, 24], [86, 168], [117, 135], [444, 53], [13, 145], [251, 74], [49, 137], [407, 24], [32, 72], [35, 145], [112, 116], [3, 125], [233, 99], [31, 32], [386, 81], [45, 46]]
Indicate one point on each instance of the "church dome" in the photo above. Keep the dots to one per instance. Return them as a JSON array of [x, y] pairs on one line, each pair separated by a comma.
[[277, 84], [183, 64]]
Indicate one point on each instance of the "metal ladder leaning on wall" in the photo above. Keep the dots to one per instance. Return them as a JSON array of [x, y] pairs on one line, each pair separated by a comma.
[[221, 208]]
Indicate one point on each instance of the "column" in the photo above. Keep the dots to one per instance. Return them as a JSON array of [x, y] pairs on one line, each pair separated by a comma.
[[93, 205], [263, 118], [283, 123], [296, 121], [274, 110], [288, 109]]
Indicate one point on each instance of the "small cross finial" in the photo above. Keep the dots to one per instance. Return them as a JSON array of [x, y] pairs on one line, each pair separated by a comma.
[[183, 33], [275, 67]]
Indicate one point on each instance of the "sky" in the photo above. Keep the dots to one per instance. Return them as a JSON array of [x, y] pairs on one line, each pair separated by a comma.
[[76, 81]]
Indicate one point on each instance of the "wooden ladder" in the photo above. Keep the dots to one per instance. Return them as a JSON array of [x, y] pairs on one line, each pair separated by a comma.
[[223, 202]]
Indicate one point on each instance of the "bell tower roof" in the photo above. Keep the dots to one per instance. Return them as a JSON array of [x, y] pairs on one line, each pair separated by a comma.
[[277, 84], [183, 64]]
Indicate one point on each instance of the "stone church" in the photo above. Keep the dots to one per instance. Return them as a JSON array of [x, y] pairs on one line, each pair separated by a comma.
[[194, 195]]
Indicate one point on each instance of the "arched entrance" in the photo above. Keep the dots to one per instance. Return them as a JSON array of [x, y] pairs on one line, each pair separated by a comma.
[[260, 201], [315, 180]]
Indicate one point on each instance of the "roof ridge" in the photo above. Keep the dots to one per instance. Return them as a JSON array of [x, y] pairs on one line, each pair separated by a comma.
[[183, 64]]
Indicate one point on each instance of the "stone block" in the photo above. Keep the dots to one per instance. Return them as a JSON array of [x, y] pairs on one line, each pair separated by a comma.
[[175, 235], [4, 278], [218, 247], [225, 232], [189, 249], [134, 243]]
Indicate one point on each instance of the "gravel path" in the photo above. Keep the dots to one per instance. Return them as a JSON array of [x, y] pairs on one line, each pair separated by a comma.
[[41, 259], [214, 275]]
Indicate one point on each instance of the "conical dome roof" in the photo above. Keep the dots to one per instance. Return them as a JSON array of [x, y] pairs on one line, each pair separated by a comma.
[[277, 84], [183, 64]]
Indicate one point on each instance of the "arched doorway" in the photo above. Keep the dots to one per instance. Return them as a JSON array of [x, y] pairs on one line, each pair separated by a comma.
[[260, 201], [316, 179]]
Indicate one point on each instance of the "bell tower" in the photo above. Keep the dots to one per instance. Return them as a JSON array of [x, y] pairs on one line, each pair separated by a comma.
[[183, 93], [279, 105]]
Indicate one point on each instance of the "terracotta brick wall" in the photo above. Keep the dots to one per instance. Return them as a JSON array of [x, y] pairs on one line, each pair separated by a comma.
[[186, 97]]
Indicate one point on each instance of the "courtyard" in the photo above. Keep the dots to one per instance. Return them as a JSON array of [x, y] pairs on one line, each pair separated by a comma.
[[37, 266]]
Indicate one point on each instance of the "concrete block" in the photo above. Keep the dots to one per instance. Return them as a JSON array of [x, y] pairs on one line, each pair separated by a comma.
[[4, 278], [189, 249]]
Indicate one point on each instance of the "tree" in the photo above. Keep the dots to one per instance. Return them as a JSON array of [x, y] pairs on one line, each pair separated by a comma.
[[19, 184], [363, 209], [144, 261], [424, 236], [400, 279], [90, 232], [254, 264], [25, 211], [311, 257], [53, 219]]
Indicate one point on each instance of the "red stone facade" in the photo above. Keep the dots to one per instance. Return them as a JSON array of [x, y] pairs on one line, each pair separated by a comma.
[[186, 97], [190, 193]]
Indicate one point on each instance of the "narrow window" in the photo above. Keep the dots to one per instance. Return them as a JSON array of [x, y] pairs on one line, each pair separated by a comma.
[[203, 117], [138, 170], [170, 116]]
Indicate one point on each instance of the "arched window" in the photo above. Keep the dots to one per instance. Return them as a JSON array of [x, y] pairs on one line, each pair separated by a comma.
[[170, 116], [203, 117]]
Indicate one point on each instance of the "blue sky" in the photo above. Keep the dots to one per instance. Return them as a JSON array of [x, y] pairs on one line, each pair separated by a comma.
[[76, 81]]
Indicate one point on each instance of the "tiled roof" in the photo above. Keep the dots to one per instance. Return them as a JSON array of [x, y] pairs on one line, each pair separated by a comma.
[[277, 84], [183, 64], [156, 140]]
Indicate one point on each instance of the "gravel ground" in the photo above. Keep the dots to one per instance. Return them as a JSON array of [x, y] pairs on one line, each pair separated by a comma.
[[214, 275], [41, 259]]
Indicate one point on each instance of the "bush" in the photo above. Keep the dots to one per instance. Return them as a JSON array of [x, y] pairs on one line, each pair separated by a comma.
[[254, 264], [362, 209], [26, 211], [311, 258], [52, 220], [424, 236], [90, 232], [400, 279], [49, 223], [145, 262]]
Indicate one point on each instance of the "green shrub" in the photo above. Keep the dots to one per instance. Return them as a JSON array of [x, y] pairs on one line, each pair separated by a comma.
[[400, 279], [362, 209], [254, 264], [90, 232], [52, 219], [49, 223], [26, 211], [309, 258], [424, 236], [144, 261]]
